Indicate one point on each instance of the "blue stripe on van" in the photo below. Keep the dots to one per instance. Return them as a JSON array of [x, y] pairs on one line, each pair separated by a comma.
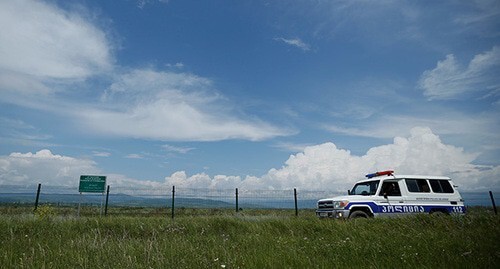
[[413, 208]]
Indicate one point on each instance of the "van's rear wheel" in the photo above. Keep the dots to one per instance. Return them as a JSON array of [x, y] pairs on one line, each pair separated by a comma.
[[358, 214], [438, 213]]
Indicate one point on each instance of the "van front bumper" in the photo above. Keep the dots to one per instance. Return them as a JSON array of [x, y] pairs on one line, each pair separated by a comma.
[[334, 213]]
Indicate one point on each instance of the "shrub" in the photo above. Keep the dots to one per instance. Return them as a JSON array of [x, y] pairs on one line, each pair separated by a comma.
[[45, 212]]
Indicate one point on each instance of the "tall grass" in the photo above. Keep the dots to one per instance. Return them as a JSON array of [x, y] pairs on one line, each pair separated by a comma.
[[249, 241]]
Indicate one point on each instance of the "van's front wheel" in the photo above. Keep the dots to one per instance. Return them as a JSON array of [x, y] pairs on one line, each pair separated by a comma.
[[358, 214]]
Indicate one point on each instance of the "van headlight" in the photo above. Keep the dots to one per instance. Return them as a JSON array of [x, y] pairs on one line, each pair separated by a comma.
[[340, 204]]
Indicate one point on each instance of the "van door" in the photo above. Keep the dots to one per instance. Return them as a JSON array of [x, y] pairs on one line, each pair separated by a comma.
[[390, 199], [419, 198]]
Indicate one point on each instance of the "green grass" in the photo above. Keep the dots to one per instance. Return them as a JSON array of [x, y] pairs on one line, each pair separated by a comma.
[[248, 240]]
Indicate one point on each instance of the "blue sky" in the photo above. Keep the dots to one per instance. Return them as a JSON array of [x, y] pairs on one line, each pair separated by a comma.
[[263, 94]]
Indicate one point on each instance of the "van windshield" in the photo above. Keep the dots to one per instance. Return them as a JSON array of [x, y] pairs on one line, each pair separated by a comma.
[[365, 188]]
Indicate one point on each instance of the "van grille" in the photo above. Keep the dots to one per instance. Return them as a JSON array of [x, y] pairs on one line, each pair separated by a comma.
[[325, 205]]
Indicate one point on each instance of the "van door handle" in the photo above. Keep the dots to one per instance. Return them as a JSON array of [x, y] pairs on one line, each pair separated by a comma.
[[401, 202]]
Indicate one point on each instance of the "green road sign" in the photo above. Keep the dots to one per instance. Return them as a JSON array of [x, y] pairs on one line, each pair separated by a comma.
[[92, 184]]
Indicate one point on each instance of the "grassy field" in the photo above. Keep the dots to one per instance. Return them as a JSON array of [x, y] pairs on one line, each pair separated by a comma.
[[247, 240]]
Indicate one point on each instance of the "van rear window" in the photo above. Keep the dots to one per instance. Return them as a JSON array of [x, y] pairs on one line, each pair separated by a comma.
[[417, 185], [441, 186]]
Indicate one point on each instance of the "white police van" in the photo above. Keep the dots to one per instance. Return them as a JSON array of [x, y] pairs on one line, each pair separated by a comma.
[[386, 194]]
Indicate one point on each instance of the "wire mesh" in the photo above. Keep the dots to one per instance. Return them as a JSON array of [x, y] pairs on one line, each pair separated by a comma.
[[159, 199]]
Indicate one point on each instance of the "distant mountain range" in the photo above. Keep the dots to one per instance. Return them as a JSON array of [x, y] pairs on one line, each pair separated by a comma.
[[130, 200], [113, 200]]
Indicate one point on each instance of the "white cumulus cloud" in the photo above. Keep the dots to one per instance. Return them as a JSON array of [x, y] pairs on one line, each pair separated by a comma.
[[51, 169], [43, 167]]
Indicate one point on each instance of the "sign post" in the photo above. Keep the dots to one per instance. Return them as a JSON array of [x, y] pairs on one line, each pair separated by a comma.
[[94, 184]]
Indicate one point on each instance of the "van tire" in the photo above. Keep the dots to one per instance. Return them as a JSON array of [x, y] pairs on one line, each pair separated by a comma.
[[437, 213], [358, 214]]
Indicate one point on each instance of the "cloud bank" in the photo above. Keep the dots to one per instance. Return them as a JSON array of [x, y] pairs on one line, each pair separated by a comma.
[[325, 166], [55, 170], [449, 80], [171, 106], [44, 41], [318, 167]]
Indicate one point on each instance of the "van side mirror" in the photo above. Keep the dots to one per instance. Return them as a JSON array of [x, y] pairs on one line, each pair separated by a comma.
[[385, 195], [348, 192]]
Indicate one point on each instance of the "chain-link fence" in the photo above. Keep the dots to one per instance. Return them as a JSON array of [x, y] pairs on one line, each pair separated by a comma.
[[163, 200]]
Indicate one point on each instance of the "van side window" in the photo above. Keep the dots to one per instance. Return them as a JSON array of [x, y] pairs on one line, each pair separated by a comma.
[[390, 189], [417, 185], [441, 186]]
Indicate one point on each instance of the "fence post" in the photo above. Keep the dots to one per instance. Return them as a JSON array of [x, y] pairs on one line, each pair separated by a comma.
[[37, 196], [173, 203], [236, 200], [106, 206], [493, 203], [295, 197], [79, 205]]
